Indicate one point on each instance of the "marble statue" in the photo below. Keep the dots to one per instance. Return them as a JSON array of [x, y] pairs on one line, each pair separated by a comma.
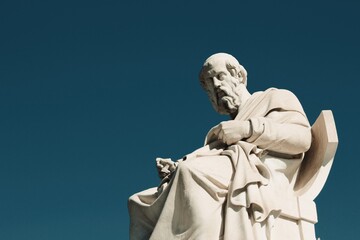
[[241, 184]]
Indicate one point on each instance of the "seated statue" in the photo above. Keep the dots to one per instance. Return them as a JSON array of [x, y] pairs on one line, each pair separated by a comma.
[[234, 187]]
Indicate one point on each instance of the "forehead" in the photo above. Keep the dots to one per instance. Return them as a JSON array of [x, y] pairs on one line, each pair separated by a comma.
[[214, 67]]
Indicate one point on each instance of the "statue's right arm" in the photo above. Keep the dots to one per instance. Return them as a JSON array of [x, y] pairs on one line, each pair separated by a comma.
[[229, 132]]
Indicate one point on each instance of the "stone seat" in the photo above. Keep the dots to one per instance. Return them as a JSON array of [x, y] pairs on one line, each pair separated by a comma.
[[299, 215]]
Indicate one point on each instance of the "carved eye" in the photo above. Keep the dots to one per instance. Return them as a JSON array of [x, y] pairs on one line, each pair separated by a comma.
[[221, 76]]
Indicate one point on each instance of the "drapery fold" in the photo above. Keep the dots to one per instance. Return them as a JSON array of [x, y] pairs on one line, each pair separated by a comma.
[[230, 193]]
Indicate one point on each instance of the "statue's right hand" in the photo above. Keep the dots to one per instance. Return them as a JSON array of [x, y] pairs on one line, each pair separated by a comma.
[[165, 166], [232, 131]]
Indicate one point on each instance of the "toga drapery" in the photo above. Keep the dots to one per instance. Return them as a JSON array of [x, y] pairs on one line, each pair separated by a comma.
[[233, 192]]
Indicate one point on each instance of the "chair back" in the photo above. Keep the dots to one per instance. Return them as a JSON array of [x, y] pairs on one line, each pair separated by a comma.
[[318, 160]]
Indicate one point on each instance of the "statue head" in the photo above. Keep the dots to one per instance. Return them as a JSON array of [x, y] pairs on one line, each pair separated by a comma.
[[222, 77]]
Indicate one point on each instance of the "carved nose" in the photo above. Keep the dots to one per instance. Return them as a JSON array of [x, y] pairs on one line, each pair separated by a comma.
[[217, 83]]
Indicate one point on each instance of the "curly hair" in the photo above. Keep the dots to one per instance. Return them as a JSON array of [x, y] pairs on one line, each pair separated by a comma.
[[233, 66]]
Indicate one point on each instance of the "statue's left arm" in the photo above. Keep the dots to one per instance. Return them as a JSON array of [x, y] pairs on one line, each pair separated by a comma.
[[280, 126], [281, 131]]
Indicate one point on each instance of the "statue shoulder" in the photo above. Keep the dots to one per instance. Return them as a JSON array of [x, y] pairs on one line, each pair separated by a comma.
[[283, 99], [280, 93]]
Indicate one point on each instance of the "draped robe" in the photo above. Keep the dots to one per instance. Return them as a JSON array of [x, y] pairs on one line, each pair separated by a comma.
[[230, 192]]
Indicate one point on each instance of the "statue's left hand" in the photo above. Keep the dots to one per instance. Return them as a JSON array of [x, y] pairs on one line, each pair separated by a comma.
[[232, 131], [165, 166]]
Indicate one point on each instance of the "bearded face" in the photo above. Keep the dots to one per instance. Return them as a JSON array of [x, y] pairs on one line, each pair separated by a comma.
[[225, 98], [222, 89]]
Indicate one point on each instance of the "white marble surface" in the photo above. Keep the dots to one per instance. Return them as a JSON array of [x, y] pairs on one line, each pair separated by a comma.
[[240, 184]]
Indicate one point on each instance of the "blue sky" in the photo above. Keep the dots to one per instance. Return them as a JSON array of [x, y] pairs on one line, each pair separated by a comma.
[[91, 92]]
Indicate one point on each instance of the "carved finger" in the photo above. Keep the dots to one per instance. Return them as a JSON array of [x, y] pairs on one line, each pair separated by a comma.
[[221, 136], [230, 141], [216, 130]]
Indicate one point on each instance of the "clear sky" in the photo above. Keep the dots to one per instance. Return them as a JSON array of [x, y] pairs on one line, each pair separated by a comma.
[[91, 92]]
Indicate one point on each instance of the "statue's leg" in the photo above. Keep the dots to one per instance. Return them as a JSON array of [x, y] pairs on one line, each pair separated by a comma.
[[194, 204], [143, 214]]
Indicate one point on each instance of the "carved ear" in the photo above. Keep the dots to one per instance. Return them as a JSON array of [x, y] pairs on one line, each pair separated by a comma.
[[240, 76]]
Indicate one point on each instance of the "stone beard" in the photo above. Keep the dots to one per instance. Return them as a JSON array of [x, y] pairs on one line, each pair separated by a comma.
[[225, 100]]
